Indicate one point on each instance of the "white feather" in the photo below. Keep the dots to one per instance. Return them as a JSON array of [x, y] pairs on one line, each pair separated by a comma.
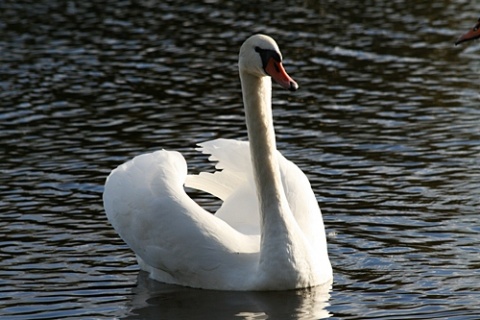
[[267, 235]]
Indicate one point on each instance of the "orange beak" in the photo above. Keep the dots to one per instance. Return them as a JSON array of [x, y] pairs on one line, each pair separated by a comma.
[[472, 34], [275, 70]]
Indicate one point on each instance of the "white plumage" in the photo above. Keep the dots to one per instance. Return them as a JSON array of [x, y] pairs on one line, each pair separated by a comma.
[[267, 235]]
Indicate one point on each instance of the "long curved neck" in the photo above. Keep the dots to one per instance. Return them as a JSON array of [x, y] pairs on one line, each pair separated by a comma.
[[284, 251], [274, 209]]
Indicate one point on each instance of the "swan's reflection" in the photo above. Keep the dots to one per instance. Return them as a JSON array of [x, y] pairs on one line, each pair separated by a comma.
[[154, 300]]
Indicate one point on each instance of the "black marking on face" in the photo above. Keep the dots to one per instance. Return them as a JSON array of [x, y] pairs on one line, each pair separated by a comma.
[[267, 54]]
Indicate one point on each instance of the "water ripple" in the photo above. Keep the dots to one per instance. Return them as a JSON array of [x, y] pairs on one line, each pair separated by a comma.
[[385, 125]]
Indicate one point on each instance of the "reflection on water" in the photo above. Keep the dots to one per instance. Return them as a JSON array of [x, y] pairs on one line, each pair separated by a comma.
[[152, 299], [385, 124]]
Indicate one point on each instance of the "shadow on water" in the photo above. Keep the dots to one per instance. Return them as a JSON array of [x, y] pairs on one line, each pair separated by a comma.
[[153, 300]]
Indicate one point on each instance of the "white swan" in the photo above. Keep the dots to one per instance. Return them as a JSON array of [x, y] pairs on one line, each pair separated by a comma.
[[267, 235]]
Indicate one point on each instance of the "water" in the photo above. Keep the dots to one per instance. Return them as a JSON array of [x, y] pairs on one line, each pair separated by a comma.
[[386, 125]]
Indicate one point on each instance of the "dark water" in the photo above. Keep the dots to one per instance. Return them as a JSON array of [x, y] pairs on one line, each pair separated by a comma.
[[386, 124]]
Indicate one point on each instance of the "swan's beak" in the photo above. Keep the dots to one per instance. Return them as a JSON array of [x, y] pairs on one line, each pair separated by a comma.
[[474, 33], [277, 72]]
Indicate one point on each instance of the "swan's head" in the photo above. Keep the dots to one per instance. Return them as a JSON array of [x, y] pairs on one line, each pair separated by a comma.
[[473, 33], [260, 56]]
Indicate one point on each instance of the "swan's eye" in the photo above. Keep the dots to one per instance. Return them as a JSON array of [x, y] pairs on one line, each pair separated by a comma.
[[267, 54]]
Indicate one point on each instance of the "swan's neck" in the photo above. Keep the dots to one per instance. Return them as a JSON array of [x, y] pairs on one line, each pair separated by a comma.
[[274, 208], [284, 251], [257, 94]]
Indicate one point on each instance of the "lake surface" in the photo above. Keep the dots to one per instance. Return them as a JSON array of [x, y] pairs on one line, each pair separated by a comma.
[[386, 125]]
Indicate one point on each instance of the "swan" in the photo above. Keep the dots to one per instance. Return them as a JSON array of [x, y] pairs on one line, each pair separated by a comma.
[[267, 235], [471, 34]]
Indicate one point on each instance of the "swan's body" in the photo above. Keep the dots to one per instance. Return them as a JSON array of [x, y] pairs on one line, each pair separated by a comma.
[[268, 233]]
